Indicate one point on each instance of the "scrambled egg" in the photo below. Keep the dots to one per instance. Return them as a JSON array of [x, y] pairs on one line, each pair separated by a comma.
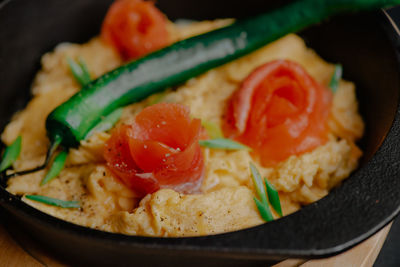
[[226, 203]]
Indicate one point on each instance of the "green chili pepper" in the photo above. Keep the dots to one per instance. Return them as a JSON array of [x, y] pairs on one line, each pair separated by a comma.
[[56, 167], [107, 123], [82, 75], [223, 143], [71, 122], [11, 154], [54, 201], [185, 59], [337, 75]]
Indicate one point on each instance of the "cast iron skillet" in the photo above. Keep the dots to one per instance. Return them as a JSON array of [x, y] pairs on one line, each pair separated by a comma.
[[365, 45]]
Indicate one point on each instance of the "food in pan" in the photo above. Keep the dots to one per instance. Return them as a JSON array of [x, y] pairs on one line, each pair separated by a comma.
[[243, 141]]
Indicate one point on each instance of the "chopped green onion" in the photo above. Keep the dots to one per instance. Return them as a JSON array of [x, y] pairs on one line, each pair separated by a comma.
[[262, 205], [53, 148], [106, 123], [213, 130], [258, 183], [156, 98], [56, 167], [264, 210], [80, 71], [54, 201], [273, 197], [337, 75], [11, 154], [223, 143]]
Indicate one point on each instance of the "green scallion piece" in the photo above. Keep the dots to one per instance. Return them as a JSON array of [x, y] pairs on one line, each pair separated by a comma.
[[223, 143], [80, 71], [56, 167], [11, 154], [273, 197], [213, 130], [263, 205], [337, 75], [264, 210], [258, 183], [54, 201], [106, 123]]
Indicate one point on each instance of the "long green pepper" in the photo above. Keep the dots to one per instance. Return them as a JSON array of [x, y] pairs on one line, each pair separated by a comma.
[[185, 59]]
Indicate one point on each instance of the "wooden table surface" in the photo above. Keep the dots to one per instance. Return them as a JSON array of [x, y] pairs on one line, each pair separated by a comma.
[[363, 255]]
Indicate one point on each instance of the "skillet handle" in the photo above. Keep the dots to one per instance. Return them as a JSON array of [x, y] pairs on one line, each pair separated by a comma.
[[393, 15]]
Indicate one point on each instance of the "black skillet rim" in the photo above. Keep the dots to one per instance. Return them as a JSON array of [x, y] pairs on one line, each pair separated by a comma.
[[231, 244]]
